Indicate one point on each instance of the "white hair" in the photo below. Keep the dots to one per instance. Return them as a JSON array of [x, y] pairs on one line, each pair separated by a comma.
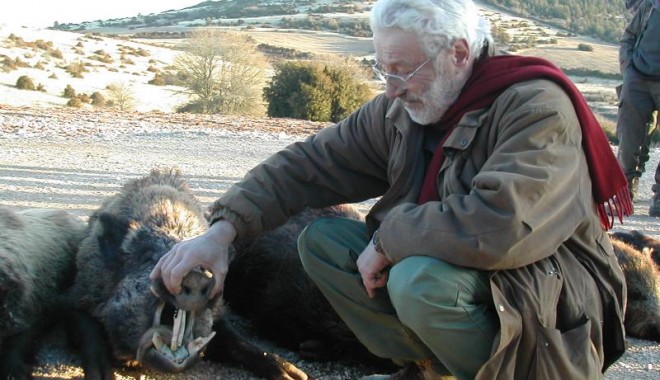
[[438, 23]]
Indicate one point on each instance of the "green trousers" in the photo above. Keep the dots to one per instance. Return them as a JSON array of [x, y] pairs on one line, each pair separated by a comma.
[[430, 308]]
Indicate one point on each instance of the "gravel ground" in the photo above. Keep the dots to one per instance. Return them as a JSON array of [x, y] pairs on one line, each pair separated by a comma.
[[72, 160]]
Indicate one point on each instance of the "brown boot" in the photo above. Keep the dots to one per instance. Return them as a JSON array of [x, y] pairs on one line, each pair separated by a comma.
[[654, 208], [419, 370]]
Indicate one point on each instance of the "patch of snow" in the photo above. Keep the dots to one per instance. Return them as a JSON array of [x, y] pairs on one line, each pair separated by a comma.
[[55, 78]]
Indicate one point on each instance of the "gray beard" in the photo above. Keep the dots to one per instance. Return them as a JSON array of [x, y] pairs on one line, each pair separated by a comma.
[[440, 96]]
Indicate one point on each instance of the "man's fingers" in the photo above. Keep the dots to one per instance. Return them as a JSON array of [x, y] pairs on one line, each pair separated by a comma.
[[219, 274], [368, 287], [162, 264], [172, 272], [168, 262], [371, 283], [176, 276], [155, 273]]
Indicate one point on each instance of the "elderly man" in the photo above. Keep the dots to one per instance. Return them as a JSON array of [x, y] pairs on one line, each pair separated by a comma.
[[486, 255]]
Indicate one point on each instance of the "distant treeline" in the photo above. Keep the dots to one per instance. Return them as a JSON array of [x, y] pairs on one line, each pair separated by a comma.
[[603, 19]]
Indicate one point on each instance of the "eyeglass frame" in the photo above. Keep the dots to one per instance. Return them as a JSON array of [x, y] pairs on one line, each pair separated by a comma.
[[384, 76]]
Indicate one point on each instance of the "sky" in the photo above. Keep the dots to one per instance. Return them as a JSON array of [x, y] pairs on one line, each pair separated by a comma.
[[43, 13]]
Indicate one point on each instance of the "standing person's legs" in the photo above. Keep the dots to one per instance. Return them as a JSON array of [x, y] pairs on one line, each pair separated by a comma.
[[635, 108], [645, 151], [430, 308], [654, 208], [656, 185]]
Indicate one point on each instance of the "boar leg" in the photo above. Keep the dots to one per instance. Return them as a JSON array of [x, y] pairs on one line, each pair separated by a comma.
[[17, 356], [87, 336]]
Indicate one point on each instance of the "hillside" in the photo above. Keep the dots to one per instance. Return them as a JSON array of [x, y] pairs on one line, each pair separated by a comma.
[[122, 52], [86, 62], [599, 18]]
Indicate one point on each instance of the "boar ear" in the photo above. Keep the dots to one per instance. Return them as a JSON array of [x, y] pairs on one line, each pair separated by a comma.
[[114, 230]]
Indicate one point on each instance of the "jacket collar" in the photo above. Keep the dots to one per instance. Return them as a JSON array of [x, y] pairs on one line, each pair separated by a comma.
[[399, 116]]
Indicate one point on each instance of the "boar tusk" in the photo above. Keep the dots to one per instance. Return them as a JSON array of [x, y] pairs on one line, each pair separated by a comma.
[[178, 329], [199, 343]]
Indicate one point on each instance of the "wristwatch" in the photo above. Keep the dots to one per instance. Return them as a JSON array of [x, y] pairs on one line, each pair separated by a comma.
[[375, 240]]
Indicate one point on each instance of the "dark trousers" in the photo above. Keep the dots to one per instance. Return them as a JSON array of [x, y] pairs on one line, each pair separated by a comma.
[[638, 99]]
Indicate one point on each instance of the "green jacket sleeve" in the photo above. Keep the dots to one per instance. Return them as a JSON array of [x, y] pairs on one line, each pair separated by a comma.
[[320, 171]]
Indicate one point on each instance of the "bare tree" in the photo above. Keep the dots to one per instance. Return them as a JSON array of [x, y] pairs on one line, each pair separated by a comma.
[[121, 95], [223, 72]]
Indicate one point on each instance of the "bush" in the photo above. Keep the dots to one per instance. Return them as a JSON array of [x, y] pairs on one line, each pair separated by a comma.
[[56, 53], [74, 102], [24, 82], [98, 100], [84, 98], [127, 61], [10, 64], [105, 58], [585, 47], [142, 52], [76, 69], [316, 91], [69, 92], [158, 80]]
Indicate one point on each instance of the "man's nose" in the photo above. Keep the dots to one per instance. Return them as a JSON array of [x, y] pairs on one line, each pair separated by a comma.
[[394, 88]]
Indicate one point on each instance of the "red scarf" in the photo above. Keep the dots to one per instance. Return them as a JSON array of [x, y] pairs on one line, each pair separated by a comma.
[[494, 75]]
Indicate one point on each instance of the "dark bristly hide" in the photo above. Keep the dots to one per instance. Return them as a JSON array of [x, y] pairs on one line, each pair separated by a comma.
[[37, 265], [635, 253], [126, 237], [267, 285]]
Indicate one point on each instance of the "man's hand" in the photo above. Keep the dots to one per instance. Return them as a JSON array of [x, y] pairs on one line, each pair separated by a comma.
[[209, 250], [374, 268]]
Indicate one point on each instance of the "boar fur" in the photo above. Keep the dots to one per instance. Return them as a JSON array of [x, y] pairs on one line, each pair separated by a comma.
[[642, 314]]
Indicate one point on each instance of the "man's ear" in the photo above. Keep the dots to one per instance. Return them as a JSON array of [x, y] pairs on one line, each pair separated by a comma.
[[461, 52]]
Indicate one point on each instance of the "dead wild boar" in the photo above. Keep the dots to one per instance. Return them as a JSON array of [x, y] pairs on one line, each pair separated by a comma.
[[642, 243], [37, 264], [642, 314], [126, 237], [267, 285]]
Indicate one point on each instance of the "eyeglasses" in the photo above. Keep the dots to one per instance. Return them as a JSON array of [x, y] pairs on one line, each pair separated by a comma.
[[384, 75]]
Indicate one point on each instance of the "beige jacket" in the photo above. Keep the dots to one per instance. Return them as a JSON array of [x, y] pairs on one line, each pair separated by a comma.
[[516, 201]]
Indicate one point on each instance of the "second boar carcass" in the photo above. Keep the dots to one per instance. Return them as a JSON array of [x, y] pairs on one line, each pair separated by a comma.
[[126, 237]]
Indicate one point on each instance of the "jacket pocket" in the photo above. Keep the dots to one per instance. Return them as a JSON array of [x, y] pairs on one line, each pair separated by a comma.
[[566, 355]]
